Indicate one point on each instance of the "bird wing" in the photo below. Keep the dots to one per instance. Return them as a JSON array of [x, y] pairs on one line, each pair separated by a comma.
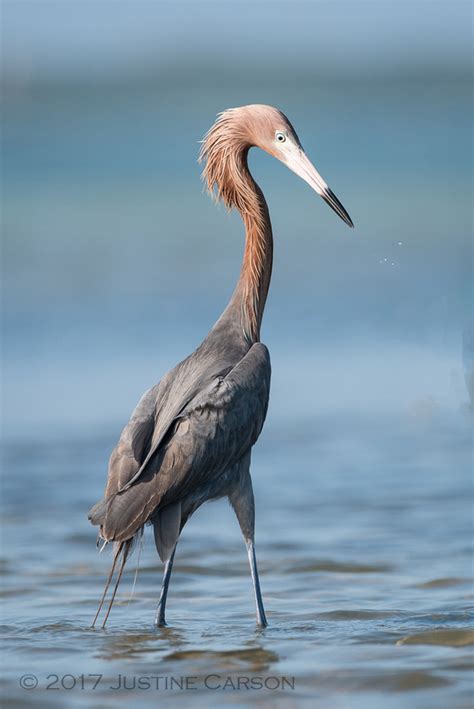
[[213, 430], [134, 442], [153, 416], [151, 420]]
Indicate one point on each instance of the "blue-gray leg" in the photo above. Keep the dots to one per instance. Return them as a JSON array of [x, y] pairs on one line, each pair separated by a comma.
[[160, 612], [242, 500], [261, 618]]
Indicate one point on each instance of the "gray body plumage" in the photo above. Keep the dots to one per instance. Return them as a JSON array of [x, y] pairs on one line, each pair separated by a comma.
[[188, 440]]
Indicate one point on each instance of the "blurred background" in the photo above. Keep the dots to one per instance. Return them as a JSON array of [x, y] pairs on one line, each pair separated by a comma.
[[115, 265]]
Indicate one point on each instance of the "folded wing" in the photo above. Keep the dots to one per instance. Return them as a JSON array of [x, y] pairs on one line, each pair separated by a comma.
[[212, 430]]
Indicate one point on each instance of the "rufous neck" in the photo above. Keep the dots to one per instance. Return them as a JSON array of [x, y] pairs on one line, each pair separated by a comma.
[[250, 294]]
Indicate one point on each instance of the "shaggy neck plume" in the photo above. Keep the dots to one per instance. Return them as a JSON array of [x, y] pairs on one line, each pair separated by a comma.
[[225, 149]]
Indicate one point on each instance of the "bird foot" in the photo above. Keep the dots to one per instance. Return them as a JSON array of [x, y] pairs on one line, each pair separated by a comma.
[[160, 621]]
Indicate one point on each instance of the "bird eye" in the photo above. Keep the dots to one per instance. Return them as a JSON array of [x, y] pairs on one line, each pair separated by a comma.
[[281, 137]]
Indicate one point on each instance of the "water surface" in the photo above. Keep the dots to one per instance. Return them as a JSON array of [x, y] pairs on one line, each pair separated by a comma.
[[364, 559]]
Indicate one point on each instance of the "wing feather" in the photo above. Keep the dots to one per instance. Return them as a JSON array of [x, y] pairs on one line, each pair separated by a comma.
[[134, 443], [217, 426]]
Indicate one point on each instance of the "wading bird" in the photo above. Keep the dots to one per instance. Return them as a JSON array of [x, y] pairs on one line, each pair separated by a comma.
[[190, 437]]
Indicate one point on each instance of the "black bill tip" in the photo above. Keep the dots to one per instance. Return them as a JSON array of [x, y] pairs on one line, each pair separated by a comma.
[[331, 199]]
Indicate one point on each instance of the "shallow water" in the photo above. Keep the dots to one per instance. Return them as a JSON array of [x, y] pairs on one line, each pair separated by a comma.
[[365, 571]]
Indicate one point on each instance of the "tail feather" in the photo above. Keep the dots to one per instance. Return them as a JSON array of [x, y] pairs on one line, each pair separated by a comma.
[[122, 514], [125, 547], [107, 583], [122, 548], [96, 514]]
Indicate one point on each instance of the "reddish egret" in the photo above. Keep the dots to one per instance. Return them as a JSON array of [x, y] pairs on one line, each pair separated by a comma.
[[190, 437]]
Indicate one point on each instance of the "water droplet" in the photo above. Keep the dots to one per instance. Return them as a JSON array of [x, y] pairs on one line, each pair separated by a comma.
[[400, 243], [393, 264], [385, 259]]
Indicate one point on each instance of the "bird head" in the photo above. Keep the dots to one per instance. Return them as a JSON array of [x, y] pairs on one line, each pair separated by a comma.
[[238, 129]]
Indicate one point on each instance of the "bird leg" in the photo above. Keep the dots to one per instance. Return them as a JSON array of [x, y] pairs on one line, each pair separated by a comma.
[[261, 618], [242, 501], [160, 612]]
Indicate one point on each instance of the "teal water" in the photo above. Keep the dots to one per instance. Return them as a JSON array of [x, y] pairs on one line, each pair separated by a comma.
[[115, 266]]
